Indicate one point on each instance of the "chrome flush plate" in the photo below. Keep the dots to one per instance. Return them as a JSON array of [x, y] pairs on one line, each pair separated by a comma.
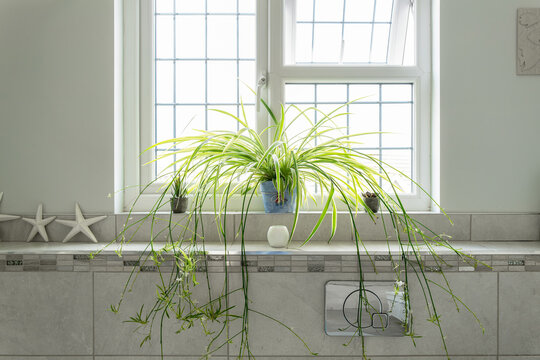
[[383, 314]]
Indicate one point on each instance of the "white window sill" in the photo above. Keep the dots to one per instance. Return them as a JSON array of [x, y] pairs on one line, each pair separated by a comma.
[[261, 248]]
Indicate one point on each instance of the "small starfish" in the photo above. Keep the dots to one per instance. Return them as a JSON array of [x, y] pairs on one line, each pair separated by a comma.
[[39, 225], [80, 224], [4, 217]]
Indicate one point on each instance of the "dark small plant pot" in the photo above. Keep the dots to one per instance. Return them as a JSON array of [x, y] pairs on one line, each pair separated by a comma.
[[372, 203], [179, 205], [273, 203]]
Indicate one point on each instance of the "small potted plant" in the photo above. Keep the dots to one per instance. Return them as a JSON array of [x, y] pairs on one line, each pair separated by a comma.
[[371, 200], [179, 200]]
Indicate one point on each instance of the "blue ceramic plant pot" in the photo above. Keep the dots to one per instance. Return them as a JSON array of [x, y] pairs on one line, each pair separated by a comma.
[[272, 202]]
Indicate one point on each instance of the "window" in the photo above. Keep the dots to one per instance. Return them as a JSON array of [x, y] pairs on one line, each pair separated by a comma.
[[204, 54]]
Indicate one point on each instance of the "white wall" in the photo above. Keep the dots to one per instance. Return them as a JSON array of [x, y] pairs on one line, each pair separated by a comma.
[[490, 117], [56, 105]]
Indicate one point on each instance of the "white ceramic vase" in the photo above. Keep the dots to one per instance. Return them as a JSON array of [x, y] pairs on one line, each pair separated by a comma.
[[278, 236]]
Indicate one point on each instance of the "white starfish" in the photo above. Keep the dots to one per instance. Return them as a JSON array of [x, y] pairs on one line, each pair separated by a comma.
[[6, 217], [39, 224], [80, 224]]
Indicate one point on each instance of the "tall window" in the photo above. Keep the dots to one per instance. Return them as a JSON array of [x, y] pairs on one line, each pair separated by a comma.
[[204, 58], [210, 54]]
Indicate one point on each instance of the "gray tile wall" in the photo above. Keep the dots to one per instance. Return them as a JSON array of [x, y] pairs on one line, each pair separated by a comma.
[[466, 227], [65, 316]]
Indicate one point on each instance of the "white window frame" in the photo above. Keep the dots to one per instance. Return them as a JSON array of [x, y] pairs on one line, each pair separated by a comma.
[[138, 109]]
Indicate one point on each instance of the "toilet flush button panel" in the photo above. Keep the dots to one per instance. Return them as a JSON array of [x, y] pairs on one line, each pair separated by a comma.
[[382, 310]]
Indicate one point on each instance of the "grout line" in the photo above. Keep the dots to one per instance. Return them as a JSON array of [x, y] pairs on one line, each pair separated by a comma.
[[93, 317], [115, 226], [498, 314], [470, 227], [227, 305]]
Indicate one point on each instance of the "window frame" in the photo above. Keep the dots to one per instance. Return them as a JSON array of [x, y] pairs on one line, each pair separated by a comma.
[[138, 88]]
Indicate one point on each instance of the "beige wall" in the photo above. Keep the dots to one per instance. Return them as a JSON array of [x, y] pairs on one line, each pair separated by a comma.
[[490, 117], [56, 107]]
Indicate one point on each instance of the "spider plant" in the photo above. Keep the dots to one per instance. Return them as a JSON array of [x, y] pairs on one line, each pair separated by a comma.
[[178, 187], [222, 166]]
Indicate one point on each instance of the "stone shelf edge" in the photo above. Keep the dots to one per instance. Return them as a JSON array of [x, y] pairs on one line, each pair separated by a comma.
[[336, 248]]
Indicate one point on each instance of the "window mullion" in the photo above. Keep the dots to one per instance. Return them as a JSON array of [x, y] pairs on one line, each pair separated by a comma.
[[145, 102], [262, 60], [275, 56], [348, 73]]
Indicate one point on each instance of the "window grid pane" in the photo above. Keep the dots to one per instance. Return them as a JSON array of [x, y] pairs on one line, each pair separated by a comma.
[[203, 59], [385, 108], [343, 31]]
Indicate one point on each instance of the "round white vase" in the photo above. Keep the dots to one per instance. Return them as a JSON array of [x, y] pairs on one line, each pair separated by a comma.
[[278, 236]]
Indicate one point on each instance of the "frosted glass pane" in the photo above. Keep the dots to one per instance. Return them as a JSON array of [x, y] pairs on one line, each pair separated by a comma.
[[383, 12], [357, 43], [247, 81], [364, 92], [409, 52], [221, 6], [379, 47], [190, 82], [327, 44], [396, 124], [190, 36], [304, 10], [188, 119], [164, 6], [299, 93], [164, 82], [304, 34], [251, 115], [303, 124], [247, 6], [220, 121], [339, 123], [359, 10], [247, 31], [189, 6], [221, 37], [331, 93], [164, 36], [165, 124], [401, 160], [222, 82], [364, 118], [397, 92], [329, 10], [162, 166]]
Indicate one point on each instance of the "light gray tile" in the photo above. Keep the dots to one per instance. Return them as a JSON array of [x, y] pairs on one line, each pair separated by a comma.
[[518, 323], [397, 357], [45, 314], [155, 358], [518, 357], [298, 300], [139, 227], [17, 230], [439, 224], [505, 227], [115, 337], [258, 224], [458, 229], [46, 357]]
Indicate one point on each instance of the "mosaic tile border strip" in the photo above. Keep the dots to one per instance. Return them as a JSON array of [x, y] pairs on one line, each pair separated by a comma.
[[267, 263]]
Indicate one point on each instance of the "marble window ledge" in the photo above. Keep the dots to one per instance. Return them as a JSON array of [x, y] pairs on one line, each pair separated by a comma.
[[259, 248]]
